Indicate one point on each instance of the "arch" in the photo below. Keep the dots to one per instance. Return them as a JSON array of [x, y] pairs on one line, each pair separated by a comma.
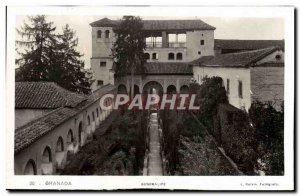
[[30, 168], [93, 116], [47, 157], [136, 89], [107, 34], [88, 120], [149, 86], [147, 56], [79, 132], [99, 34], [70, 137], [184, 89], [97, 112], [60, 145], [171, 56], [171, 89], [179, 56], [122, 89]]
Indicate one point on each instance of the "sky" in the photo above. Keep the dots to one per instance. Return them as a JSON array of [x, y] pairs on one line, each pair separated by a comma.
[[226, 28]]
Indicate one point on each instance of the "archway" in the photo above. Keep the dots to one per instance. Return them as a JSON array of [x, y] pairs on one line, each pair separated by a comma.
[[171, 89], [59, 153], [70, 144], [89, 120], [70, 137], [47, 158], [30, 168], [46, 166], [122, 89], [59, 145], [136, 90], [152, 87], [184, 89], [80, 133], [97, 112]]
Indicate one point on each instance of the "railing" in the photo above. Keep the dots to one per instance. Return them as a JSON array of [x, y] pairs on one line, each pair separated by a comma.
[[177, 45], [154, 44], [169, 44]]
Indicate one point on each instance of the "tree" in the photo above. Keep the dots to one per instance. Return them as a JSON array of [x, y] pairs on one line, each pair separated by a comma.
[[128, 50], [269, 127], [70, 72], [35, 61], [51, 57], [210, 94]]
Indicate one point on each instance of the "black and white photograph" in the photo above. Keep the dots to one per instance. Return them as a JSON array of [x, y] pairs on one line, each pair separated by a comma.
[[136, 98]]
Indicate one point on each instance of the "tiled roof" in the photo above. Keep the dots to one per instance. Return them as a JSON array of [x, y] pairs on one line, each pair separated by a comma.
[[239, 59], [234, 44], [160, 24], [44, 95], [26, 135], [31, 132], [168, 68], [201, 60]]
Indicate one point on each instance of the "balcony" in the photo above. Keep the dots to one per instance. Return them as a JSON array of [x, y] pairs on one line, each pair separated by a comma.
[[176, 44], [153, 44], [169, 45]]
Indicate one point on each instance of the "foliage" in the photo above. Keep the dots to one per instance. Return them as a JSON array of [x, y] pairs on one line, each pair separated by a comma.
[[128, 49], [239, 142], [269, 127], [48, 56], [200, 157], [191, 128], [172, 127], [210, 94]]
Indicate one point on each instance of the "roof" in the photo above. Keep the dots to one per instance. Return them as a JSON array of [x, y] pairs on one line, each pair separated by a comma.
[[24, 136], [32, 131], [44, 95], [168, 68], [160, 24], [201, 60], [234, 44], [239, 59]]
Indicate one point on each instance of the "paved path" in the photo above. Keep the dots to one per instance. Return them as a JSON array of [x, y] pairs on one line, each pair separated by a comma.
[[155, 160]]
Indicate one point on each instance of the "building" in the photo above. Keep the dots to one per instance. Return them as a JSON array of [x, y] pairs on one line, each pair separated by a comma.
[[179, 50], [170, 45], [247, 76], [53, 123], [223, 46]]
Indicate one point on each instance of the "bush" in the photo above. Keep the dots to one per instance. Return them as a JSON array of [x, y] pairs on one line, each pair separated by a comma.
[[269, 127]]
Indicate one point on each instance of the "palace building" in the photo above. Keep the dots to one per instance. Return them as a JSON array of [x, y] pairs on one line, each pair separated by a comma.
[[181, 51]]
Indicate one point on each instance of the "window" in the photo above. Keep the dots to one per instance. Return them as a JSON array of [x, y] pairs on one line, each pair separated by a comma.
[[147, 56], [102, 63], [199, 52], [99, 34], [99, 82], [240, 89], [171, 56], [278, 57], [228, 86], [107, 34], [177, 40], [155, 56], [154, 42], [201, 42], [179, 56]]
